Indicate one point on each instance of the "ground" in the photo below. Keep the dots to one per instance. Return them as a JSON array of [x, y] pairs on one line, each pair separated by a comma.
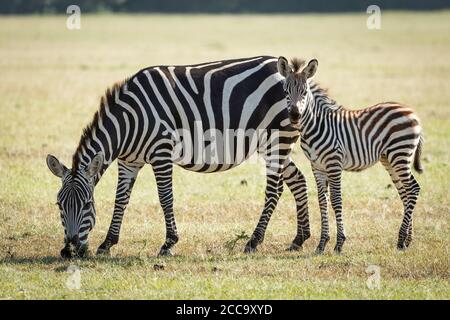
[[51, 82]]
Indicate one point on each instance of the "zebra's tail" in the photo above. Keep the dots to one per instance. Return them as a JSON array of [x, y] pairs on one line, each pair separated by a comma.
[[417, 163]]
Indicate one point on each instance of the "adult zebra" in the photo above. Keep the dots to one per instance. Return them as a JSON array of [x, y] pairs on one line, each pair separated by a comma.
[[150, 119], [334, 139]]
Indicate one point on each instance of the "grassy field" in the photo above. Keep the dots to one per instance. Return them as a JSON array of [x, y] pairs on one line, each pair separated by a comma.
[[51, 80]]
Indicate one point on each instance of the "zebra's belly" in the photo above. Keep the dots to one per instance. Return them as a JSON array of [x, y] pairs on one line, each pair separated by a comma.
[[207, 167], [354, 165], [216, 157], [224, 154]]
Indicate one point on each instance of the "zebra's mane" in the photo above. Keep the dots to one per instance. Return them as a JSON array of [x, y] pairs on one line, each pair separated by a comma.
[[297, 64], [322, 98], [107, 99]]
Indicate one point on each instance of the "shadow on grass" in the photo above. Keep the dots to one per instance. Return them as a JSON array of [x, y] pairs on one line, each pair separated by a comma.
[[129, 261], [47, 260]]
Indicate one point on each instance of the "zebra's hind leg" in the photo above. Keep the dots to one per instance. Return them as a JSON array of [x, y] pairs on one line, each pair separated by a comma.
[[126, 178], [401, 192], [409, 236], [297, 185], [163, 174], [322, 192], [272, 194], [334, 179], [402, 169], [405, 233]]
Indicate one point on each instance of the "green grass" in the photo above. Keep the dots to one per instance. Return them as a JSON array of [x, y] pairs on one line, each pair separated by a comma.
[[51, 82]]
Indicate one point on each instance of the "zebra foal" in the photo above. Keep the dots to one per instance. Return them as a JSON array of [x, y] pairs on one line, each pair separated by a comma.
[[336, 139]]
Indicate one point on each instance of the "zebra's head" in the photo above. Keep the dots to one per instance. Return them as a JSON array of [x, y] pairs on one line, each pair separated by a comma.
[[296, 84], [75, 201]]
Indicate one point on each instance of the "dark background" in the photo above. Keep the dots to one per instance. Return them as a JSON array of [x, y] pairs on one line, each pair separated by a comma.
[[215, 6]]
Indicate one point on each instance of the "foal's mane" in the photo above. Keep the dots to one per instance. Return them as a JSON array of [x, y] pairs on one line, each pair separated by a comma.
[[297, 64], [321, 93], [107, 99]]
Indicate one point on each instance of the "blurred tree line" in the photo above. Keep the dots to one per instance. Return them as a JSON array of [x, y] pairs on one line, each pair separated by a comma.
[[214, 6]]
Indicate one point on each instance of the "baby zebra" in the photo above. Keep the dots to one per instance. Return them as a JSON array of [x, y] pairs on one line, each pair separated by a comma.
[[334, 139]]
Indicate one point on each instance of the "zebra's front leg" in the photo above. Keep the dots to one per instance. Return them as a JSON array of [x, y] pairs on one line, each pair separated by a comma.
[[272, 194], [322, 192], [297, 185], [126, 178], [334, 179], [163, 174], [409, 237]]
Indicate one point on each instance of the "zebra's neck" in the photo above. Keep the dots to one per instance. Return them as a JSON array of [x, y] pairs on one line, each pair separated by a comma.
[[101, 135], [318, 106], [322, 101]]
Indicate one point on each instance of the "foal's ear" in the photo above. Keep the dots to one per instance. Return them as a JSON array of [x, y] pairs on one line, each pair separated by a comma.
[[311, 68], [96, 164], [283, 66], [56, 167]]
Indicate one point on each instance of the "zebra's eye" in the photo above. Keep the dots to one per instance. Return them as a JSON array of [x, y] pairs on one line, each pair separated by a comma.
[[87, 206]]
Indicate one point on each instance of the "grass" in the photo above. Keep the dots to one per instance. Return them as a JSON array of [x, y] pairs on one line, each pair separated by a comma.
[[51, 82]]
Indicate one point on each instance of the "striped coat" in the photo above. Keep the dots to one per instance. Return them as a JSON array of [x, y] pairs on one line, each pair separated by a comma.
[[206, 118], [336, 139]]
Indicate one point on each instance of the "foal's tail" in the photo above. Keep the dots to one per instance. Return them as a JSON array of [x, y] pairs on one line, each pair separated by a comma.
[[417, 163]]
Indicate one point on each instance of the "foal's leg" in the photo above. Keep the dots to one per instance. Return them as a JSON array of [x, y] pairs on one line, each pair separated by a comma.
[[162, 169], [401, 191], [126, 178], [413, 190], [336, 202], [401, 166], [273, 192], [297, 184], [322, 192]]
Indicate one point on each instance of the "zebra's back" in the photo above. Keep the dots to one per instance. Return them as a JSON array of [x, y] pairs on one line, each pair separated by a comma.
[[218, 100], [376, 131], [228, 94]]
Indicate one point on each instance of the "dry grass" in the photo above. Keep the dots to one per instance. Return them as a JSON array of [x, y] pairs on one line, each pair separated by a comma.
[[51, 81]]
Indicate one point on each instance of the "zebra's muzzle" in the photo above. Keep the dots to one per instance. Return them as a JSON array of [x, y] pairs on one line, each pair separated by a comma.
[[70, 251], [294, 115]]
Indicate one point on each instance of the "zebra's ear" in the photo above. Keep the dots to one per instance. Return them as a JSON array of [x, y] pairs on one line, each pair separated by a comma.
[[56, 167], [283, 66], [311, 68], [96, 164]]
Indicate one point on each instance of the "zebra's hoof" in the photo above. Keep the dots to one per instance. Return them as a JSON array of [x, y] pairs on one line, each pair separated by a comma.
[[408, 242], [294, 247], [105, 252], [165, 253], [338, 249], [249, 249], [401, 243], [319, 250]]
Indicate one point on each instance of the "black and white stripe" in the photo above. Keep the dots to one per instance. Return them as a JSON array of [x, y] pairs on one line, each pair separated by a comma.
[[140, 120], [335, 139]]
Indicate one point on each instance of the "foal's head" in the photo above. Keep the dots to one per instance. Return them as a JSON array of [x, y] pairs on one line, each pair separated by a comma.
[[296, 84]]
